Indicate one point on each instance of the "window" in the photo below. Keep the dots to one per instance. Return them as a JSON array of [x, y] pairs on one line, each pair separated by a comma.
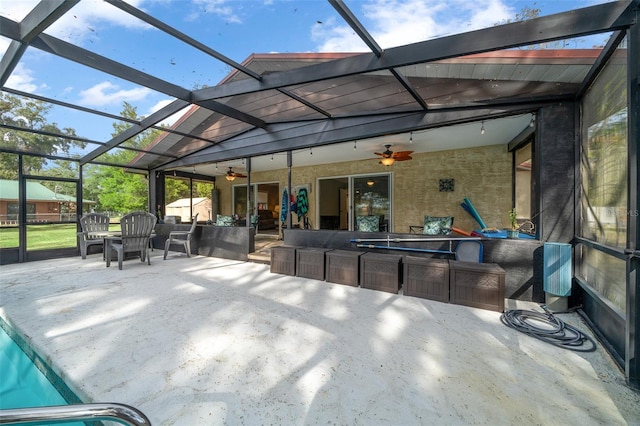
[[523, 162]]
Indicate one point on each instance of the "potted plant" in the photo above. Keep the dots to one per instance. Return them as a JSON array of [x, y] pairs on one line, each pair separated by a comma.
[[513, 218]]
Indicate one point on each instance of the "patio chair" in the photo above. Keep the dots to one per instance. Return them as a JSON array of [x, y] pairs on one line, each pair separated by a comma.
[[92, 222], [181, 237], [136, 231], [469, 251]]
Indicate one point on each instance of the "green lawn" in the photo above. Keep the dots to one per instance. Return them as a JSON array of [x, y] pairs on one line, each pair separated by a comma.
[[41, 237]]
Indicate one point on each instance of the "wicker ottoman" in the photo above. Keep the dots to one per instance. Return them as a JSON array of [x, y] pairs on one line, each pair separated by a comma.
[[310, 262], [380, 272], [342, 267], [283, 260], [426, 278], [480, 285]]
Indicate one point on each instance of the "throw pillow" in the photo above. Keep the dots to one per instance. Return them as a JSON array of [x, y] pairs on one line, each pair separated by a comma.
[[368, 223], [434, 225], [222, 220]]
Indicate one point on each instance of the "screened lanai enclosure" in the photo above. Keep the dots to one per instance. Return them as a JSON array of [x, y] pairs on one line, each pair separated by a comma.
[[540, 114]]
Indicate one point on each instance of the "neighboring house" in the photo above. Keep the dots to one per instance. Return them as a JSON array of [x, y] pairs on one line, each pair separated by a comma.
[[181, 208], [43, 204]]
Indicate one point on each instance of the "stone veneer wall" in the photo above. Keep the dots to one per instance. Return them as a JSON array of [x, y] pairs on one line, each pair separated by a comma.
[[483, 174]]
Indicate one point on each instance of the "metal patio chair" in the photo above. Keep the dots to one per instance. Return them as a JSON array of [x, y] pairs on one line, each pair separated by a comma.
[[181, 237], [94, 228], [136, 231]]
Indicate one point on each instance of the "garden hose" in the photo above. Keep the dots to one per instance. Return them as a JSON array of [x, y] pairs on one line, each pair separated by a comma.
[[548, 328]]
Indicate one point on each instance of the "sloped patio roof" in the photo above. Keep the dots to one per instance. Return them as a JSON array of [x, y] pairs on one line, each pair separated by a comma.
[[273, 103]]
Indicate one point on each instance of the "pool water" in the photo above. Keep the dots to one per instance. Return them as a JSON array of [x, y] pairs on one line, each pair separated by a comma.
[[22, 384]]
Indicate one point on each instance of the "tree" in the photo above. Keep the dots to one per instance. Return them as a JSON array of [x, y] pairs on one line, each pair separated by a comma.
[[30, 114], [114, 188], [527, 13]]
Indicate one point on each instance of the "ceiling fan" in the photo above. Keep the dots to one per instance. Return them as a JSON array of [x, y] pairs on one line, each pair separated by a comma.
[[231, 175], [389, 157]]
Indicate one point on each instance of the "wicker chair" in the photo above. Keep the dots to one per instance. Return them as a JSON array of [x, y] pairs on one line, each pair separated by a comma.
[[92, 222], [181, 237], [136, 231]]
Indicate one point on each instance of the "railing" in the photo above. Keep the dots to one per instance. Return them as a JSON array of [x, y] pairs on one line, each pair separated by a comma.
[[120, 413]]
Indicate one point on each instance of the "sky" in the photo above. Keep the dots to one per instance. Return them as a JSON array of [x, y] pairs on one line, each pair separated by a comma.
[[234, 28]]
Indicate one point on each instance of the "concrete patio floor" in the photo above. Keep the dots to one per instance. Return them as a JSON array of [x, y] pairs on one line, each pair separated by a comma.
[[208, 341]]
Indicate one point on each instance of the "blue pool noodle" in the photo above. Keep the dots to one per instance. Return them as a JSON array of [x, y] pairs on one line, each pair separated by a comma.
[[474, 213], [468, 210]]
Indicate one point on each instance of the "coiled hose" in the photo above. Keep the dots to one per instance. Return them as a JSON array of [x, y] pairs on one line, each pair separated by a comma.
[[548, 328]]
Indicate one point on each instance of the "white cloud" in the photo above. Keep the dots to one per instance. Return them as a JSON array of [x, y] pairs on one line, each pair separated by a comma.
[[107, 93], [86, 19], [21, 79], [16, 10], [217, 7], [336, 37], [169, 121], [79, 24], [397, 22]]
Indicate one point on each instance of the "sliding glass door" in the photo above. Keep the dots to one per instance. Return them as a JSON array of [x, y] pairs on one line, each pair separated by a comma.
[[265, 203], [341, 200]]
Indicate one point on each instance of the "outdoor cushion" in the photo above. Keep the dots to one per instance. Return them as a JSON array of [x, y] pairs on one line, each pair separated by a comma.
[[434, 225], [223, 220], [368, 223]]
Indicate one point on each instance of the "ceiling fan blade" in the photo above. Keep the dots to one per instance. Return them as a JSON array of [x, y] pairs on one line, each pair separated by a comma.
[[402, 153], [403, 158]]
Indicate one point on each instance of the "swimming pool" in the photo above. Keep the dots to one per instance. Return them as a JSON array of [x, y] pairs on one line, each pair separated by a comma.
[[23, 384]]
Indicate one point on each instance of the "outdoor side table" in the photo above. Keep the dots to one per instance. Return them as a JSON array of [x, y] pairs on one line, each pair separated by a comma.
[[342, 267], [380, 272], [480, 285], [283, 260], [426, 278], [310, 262]]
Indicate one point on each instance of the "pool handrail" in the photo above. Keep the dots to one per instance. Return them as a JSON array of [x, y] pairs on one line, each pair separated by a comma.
[[120, 413]]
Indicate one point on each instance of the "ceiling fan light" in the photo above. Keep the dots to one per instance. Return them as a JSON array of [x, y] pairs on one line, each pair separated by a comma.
[[387, 161], [230, 177]]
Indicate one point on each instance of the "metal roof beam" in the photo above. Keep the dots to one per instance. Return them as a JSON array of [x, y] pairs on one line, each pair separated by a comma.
[[132, 131], [326, 132], [78, 139], [580, 22], [362, 32], [356, 26], [10, 60], [599, 64], [232, 112], [404, 81], [90, 59], [120, 4], [100, 113], [304, 102], [42, 16]]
